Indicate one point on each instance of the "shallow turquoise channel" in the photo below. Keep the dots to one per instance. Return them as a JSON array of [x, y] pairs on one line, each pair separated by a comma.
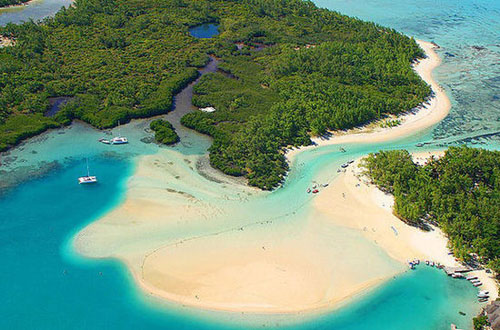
[[45, 285]]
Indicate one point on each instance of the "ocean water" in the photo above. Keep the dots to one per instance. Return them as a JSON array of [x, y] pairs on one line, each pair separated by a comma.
[[46, 285]]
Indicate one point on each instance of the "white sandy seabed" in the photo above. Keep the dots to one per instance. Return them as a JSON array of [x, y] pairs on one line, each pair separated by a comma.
[[206, 247]]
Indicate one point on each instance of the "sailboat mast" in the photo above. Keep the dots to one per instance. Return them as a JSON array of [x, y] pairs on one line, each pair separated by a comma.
[[88, 172]]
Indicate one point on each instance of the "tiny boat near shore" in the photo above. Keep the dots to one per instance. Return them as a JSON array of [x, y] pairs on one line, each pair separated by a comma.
[[105, 141], [315, 191], [119, 140]]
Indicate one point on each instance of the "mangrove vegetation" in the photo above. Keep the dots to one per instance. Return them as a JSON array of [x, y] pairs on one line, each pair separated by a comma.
[[288, 70], [164, 132]]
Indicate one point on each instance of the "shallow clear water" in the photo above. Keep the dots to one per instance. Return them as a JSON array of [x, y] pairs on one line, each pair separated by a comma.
[[468, 32], [46, 285]]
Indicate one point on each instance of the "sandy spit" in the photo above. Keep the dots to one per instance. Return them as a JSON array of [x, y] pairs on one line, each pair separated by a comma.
[[428, 115]]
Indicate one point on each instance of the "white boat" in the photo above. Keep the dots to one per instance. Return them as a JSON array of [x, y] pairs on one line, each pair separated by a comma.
[[470, 278], [457, 275], [477, 284], [483, 292], [119, 140], [87, 179], [105, 141]]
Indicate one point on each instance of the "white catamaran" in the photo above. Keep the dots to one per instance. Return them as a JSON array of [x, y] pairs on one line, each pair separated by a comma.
[[88, 178]]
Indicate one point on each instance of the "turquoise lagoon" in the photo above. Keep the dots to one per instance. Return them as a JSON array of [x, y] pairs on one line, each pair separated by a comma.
[[46, 285]]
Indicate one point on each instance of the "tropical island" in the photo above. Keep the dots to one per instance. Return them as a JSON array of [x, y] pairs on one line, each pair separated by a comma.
[[459, 192], [288, 70]]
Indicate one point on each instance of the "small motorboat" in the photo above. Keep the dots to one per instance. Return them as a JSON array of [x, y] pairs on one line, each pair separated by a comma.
[[470, 278], [483, 292], [344, 165], [308, 190], [315, 191], [350, 162], [105, 141], [325, 184], [427, 262], [419, 145], [482, 299], [457, 275], [476, 284]]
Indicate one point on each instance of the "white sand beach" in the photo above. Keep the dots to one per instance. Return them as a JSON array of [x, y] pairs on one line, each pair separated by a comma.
[[194, 251], [213, 247], [430, 114], [353, 202]]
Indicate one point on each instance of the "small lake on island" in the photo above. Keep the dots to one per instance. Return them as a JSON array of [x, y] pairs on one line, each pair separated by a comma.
[[204, 31]]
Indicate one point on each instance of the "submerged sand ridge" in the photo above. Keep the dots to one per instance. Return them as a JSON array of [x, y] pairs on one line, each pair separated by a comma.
[[210, 249], [202, 239]]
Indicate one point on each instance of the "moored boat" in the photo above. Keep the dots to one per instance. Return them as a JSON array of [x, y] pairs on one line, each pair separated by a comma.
[[87, 179], [105, 141], [119, 140]]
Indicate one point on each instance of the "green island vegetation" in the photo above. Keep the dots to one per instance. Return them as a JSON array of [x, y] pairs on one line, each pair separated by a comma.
[[164, 132], [5, 3], [480, 322], [460, 192], [288, 70]]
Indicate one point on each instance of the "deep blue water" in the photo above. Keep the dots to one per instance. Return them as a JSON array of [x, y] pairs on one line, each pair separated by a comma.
[[43, 284], [204, 31]]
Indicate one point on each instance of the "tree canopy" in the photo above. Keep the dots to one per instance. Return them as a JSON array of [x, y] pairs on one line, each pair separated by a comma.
[[459, 191], [164, 132], [5, 3], [288, 70]]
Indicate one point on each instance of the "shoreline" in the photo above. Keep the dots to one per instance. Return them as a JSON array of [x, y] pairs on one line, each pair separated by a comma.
[[353, 202], [19, 5], [254, 273], [431, 113]]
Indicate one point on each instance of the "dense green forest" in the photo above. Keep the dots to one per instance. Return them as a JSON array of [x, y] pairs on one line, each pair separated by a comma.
[[460, 192], [288, 70], [164, 132], [5, 3]]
